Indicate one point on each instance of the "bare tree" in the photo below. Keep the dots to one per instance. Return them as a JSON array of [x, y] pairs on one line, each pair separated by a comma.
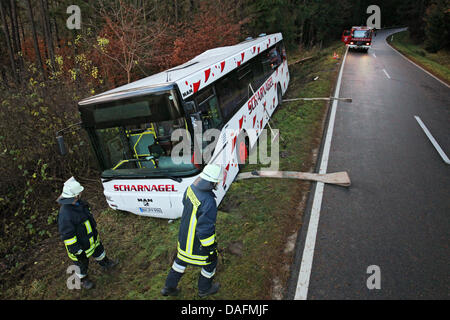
[[129, 38]]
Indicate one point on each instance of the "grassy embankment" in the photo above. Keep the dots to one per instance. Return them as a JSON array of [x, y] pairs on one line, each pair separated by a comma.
[[256, 228], [436, 63]]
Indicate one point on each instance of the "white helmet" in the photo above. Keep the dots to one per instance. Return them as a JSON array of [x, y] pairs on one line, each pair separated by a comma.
[[71, 188], [212, 173]]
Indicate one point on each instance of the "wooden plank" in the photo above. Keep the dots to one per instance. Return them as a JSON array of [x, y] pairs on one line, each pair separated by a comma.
[[313, 99], [300, 60], [340, 178]]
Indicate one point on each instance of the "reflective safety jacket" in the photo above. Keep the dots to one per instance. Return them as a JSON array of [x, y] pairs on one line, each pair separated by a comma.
[[198, 223], [77, 227]]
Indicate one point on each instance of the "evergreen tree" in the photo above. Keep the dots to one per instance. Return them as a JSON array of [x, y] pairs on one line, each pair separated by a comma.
[[437, 24]]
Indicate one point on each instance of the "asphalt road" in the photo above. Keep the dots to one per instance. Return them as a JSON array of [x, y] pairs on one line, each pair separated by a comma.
[[396, 213]]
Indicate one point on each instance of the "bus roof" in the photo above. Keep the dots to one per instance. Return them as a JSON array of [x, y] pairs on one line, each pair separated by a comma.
[[193, 75]]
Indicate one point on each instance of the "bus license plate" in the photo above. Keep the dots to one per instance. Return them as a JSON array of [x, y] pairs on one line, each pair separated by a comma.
[[150, 210]]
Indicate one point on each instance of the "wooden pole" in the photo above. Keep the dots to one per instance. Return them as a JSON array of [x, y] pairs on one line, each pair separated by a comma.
[[339, 178], [313, 99]]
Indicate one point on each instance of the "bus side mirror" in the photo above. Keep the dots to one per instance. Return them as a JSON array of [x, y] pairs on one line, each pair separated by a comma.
[[61, 145], [60, 139]]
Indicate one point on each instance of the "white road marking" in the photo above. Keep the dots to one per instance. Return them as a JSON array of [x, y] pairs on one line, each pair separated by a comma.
[[301, 292], [385, 72], [433, 141], [429, 73], [374, 55]]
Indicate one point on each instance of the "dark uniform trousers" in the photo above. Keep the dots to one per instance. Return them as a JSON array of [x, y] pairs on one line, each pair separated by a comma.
[[204, 280], [197, 233], [83, 262], [79, 233]]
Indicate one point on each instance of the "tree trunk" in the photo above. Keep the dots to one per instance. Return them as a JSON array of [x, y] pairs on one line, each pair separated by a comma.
[[55, 25], [9, 14], [302, 29], [22, 30], [311, 34], [15, 32], [50, 35], [16, 22], [47, 33], [8, 43], [35, 39]]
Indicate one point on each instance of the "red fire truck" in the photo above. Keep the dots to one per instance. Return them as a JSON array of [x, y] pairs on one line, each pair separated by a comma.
[[346, 36], [361, 38]]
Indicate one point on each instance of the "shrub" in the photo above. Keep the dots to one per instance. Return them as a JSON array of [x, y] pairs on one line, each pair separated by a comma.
[[437, 19], [31, 171]]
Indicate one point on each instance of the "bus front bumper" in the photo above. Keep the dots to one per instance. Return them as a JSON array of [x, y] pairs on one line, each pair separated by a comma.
[[159, 198]]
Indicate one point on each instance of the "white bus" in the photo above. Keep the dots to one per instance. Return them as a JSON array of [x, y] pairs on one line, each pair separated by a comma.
[[234, 89]]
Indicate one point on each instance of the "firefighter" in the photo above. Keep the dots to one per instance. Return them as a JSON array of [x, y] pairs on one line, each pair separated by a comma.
[[78, 230], [197, 243]]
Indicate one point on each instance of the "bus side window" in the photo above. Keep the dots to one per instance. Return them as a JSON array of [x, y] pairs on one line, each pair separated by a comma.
[[258, 73], [281, 50], [275, 57], [216, 118], [265, 61], [209, 107], [245, 77], [228, 94], [271, 59]]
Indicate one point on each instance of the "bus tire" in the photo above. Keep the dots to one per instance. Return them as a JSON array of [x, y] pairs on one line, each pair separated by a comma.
[[242, 149], [279, 95]]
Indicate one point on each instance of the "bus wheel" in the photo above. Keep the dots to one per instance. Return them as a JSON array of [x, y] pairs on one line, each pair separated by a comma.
[[242, 150], [279, 95]]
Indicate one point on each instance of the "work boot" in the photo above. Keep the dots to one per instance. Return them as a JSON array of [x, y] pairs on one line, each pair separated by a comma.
[[86, 283], [214, 289], [170, 291], [107, 264]]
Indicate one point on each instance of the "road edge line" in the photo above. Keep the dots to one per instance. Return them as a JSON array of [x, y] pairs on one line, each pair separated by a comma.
[[406, 58], [301, 291]]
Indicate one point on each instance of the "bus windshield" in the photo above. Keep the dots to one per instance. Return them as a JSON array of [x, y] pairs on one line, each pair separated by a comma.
[[132, 137]]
